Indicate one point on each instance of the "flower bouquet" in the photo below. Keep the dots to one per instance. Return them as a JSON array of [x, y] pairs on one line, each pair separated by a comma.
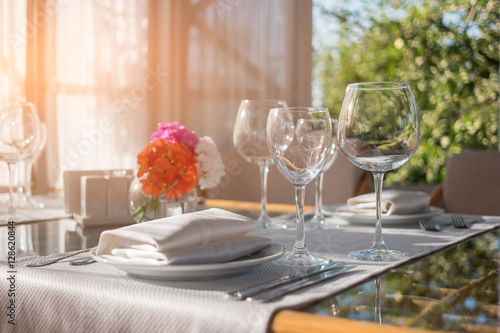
[[171, 167]]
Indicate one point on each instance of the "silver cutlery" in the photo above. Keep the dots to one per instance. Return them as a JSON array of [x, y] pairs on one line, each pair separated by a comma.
[[258, 288], [458, 221], [428, 225], [82, 262], [272, 294], [54, 260]]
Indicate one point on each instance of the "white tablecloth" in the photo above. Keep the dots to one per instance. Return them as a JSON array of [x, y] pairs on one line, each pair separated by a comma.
[[100, 298]]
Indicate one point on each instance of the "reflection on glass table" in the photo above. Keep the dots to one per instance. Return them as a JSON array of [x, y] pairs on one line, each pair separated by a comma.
[[455, 290]]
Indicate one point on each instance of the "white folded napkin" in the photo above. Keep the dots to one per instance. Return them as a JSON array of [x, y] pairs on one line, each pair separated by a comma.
[[208, 236], [393, 202]]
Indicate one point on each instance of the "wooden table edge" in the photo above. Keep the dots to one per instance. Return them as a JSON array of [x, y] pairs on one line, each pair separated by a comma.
[[290, 321], [251, 206]]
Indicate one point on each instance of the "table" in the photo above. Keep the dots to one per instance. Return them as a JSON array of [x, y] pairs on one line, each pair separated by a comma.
[[64, 235]]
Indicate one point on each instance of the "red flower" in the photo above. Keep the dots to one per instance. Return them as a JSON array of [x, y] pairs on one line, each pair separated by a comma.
[[170, 169]]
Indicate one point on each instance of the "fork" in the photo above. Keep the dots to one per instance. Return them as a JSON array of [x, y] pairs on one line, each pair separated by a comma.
[[81, 262], [52, 261], [459, 222], [427, 224]]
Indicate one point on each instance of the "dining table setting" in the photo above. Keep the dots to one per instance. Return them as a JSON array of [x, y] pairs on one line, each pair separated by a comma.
[[124, 281], [144, 251]]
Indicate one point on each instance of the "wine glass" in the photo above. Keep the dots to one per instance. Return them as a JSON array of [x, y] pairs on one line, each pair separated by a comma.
[[27, 200], [379, 131], [318, 220], [299, 141], [19, 137], [249, 138]]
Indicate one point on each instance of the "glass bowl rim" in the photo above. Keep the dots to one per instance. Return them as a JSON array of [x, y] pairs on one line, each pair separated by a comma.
[[379, 85]]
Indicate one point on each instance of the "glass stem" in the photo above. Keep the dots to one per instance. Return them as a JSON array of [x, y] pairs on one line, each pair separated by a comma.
[[27, 179], [378, 241], [12, 206], [318, 213], [264, 170], [300, 240]]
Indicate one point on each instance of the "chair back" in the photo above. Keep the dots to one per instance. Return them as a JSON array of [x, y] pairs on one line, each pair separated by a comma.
[[472, 183]]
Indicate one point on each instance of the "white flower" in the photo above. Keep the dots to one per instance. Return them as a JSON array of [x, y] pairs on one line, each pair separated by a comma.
[[209, 165]]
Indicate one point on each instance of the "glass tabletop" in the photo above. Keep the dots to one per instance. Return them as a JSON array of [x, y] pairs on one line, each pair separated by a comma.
[[453, 290]]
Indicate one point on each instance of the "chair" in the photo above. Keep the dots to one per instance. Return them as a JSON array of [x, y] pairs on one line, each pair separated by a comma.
[[242, 182], [471, 184]]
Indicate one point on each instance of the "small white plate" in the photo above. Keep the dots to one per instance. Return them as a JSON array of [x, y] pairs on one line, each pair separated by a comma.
[[386, 219], [197, 272]]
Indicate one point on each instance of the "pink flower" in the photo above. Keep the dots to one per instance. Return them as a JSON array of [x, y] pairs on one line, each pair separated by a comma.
[[173, 131]]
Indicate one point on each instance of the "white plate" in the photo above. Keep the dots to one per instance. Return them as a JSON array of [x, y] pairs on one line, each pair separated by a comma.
[[198, 272], [386, 219]]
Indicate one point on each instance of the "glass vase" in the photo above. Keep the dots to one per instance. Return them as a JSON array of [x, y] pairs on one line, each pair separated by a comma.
[[145, 207]]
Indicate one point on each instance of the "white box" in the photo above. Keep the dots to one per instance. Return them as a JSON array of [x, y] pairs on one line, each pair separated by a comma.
[[94, 196], [118, 205], [72, 183], [98, 197]]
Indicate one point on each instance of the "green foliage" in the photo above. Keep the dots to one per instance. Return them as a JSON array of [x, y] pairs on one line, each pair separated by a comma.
[[447, 51]]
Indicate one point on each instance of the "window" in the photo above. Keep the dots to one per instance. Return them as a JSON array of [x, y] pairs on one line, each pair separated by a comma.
[[103, 73]]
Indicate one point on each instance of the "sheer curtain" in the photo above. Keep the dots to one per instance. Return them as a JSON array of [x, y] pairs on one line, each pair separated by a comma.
[[220, 52], [91, 83], [12, 58], [12, 49], [103, 73]]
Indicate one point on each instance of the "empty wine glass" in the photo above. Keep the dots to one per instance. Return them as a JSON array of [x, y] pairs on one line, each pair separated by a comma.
[[249, 138], [27, 200], [19, 136], [318, 220], [299, 141], [379, 130]]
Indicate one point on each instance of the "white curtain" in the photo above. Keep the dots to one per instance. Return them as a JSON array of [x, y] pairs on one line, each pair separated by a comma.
[[103, 73], [220, 52], [13, 36], [97, 91], [12, 49]]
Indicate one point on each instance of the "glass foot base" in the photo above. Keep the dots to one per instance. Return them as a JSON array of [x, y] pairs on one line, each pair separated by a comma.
[[267, 223], [300, 259], [29, 204], [377, 254], [16, 217], [318, 224]]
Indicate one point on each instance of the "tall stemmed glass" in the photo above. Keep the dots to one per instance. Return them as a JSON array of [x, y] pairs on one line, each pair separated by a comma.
[[27, 200], [19, 136], [379, 131], [299, 140], [249, 138], [318, 220]]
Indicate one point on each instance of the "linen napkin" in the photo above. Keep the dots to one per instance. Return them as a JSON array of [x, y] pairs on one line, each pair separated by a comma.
[[209, 236], [393, 202]]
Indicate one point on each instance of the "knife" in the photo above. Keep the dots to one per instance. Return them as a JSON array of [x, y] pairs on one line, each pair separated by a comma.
[[253, 290], [269, 295]]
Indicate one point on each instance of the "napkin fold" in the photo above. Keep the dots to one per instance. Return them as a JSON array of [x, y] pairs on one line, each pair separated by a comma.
[[209, 236], [393, 202]]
